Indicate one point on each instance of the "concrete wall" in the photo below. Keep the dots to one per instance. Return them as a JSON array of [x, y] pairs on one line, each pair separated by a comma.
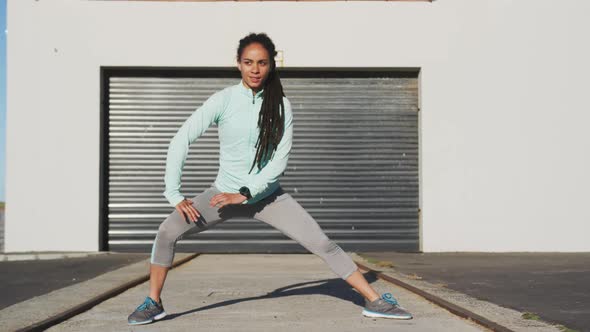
[[504, 139]]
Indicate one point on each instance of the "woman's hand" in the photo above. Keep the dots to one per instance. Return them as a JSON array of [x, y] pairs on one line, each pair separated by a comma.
[[186, 208], [224, 199]]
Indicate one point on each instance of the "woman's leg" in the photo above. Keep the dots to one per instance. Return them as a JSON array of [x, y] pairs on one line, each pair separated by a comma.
[[358, 281], [171, 229], [283, 212]]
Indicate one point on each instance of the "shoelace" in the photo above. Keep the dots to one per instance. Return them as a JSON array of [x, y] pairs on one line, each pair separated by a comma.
[[387, 297], [144, 305]]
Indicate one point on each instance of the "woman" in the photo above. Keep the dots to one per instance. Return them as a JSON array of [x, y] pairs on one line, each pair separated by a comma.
[[254, 120]]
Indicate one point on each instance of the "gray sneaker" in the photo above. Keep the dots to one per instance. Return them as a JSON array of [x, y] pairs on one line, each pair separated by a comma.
[[147, 312], [385, 307]]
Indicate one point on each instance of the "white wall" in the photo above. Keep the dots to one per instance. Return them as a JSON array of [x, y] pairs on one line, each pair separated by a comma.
[[504, 139]]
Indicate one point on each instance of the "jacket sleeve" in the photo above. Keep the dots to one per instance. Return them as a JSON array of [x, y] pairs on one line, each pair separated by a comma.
[[191, 129], [273, 169]]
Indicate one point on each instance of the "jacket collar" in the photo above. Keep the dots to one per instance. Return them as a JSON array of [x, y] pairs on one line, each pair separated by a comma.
[[247, 91]]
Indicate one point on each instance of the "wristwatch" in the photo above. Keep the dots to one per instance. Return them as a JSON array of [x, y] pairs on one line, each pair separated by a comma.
[[246, 192]]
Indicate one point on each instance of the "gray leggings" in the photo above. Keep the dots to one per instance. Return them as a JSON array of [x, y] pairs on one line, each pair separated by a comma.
[[279, 210]]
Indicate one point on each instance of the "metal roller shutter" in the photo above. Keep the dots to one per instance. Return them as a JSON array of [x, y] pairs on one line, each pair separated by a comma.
[[353, 167]]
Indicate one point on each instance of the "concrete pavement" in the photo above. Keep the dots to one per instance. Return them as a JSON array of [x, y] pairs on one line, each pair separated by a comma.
[[263, 292]]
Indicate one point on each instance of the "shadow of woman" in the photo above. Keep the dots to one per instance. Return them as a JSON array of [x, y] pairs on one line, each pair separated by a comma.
[[336, 287]]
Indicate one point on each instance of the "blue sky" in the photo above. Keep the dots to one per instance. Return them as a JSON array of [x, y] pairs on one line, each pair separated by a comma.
[[2, 99]]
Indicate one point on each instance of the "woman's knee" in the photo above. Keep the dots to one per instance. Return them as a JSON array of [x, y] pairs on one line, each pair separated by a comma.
[[325, 246], [167, 233]]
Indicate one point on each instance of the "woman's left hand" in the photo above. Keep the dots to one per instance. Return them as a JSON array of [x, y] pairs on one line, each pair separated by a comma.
[[224, 199]]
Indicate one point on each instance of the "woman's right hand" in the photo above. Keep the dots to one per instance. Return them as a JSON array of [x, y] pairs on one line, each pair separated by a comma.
[[186, 208]]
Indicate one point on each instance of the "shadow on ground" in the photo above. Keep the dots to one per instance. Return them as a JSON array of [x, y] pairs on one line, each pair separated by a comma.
[[336, 287]]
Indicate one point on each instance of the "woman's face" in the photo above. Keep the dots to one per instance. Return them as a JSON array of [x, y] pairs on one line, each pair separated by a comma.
[[254, 66]]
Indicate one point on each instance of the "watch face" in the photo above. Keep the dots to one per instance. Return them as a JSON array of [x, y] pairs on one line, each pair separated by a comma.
[[245, 191]]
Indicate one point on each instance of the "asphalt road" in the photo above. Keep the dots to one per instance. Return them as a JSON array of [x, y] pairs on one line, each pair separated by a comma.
[[555, 286], [22, 280]]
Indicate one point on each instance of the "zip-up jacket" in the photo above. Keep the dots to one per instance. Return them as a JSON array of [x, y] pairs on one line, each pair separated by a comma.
[[235, 110]]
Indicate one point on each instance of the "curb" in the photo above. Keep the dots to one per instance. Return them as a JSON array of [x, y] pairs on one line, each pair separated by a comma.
[[11, 257], [71, 311]]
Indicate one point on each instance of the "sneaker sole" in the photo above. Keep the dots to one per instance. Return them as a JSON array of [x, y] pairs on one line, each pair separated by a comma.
[[156, 317], [373, 314]]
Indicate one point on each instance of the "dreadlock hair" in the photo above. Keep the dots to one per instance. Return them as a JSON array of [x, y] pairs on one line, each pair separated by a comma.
[[271, 119]]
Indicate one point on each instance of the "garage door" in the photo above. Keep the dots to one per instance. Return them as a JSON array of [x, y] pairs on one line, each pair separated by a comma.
[[353, 167]]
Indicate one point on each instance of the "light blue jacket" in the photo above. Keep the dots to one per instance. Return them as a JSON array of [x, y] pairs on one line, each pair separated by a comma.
[[235, 110]]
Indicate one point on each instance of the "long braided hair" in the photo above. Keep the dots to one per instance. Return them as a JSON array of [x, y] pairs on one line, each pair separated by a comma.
[[271, 119]]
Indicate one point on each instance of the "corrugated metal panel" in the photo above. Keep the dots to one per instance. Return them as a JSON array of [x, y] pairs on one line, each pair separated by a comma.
[[353, 167]]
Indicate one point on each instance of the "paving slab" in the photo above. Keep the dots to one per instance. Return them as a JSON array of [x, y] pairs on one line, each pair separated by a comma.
[[263, 292]]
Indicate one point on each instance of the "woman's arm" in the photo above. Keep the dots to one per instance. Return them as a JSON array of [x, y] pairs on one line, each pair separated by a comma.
[[190, 130]]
